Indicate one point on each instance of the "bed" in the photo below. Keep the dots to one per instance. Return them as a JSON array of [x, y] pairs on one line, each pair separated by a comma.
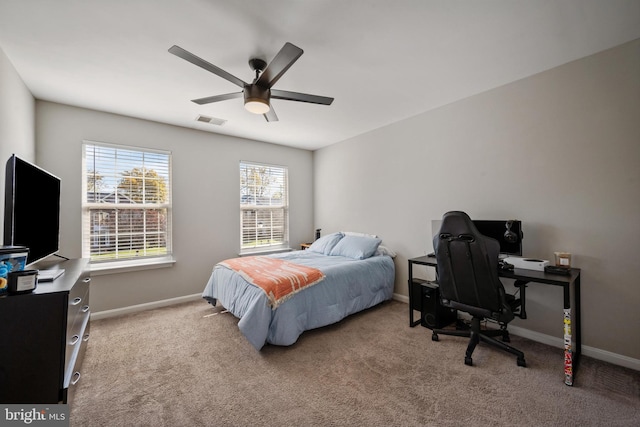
[[356, 273]]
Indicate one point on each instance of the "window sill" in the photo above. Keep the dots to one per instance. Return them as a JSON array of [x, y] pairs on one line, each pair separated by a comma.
[[265, 252], [99, 269]]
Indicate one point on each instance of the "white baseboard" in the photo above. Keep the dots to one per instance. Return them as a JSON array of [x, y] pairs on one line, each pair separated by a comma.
[[596, 353], [142, 307], [401, 298]]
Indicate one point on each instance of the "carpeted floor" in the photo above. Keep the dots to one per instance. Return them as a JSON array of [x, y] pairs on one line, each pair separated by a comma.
[[180, 366]]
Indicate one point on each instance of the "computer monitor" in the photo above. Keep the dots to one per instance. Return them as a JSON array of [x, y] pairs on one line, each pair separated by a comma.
[[507, 232]]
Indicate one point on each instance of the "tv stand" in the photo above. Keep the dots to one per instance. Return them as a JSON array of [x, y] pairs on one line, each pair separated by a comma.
[[44, 336]]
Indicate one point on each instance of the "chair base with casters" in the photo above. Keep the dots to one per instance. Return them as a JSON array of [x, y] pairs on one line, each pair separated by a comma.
[[476, 335]]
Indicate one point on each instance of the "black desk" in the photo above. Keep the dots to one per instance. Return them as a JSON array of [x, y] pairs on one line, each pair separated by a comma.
[[571, 318]]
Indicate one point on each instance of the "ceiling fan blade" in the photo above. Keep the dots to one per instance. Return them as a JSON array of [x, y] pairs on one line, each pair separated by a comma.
[[188, 56], [281, 63], [302, 97], [271, 115], [216, 98]]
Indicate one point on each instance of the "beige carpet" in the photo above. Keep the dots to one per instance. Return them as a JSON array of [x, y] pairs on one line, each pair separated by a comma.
[[177, 367]]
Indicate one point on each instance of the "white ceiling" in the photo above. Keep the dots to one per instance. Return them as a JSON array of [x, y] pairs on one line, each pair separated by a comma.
[[382, 61]]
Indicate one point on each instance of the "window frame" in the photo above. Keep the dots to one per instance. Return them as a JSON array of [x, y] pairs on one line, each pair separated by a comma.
[[127, 263], [284, 244]]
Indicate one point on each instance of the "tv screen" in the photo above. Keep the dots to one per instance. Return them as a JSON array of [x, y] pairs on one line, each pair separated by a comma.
[[31, 209]]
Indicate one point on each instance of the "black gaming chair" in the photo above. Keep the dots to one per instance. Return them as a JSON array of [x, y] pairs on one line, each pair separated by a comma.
[[468, 278]]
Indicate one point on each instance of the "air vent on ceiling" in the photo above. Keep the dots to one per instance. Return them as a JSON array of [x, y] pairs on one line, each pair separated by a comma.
[[211, 120]]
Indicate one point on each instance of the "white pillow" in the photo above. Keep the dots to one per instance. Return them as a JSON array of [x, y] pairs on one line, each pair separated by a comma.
[[353, 233], [383, 250]]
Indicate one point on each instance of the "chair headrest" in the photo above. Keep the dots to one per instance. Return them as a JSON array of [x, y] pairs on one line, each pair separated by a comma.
[[458, 223]]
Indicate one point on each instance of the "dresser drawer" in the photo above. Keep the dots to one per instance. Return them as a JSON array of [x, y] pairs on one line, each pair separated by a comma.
[[78, 303], [73, 373], [77, 333], [78, 296]]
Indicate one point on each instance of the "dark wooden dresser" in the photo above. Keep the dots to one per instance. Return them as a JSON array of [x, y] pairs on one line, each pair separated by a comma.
[[43, 337]]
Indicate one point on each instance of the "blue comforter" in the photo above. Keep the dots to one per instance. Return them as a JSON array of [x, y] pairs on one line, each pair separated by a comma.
[[350, 286]]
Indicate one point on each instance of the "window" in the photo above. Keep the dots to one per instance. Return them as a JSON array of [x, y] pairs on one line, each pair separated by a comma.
[[264, 207], [126, 203]]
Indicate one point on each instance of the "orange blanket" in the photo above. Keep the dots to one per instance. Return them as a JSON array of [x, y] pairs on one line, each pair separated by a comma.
[[279, 279]]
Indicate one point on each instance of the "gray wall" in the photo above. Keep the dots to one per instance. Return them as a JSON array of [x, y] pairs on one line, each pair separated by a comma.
[[559, 150], [17, 122], [206, 186]]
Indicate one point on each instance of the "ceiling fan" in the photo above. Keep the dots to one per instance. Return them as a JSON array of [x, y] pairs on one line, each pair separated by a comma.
[[257, 94]]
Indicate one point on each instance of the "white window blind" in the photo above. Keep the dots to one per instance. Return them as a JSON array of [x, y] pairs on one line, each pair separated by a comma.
[[264, 207], [126, 203]]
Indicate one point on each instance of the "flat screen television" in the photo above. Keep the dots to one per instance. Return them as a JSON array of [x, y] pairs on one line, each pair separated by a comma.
[[31, 209]]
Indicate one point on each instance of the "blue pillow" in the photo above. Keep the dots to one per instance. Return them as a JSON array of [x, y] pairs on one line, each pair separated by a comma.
[[356, 247], [325, 244]]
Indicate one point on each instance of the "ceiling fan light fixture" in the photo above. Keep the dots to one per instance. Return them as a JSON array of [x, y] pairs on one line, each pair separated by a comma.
[[256, 99], [257, 106]]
